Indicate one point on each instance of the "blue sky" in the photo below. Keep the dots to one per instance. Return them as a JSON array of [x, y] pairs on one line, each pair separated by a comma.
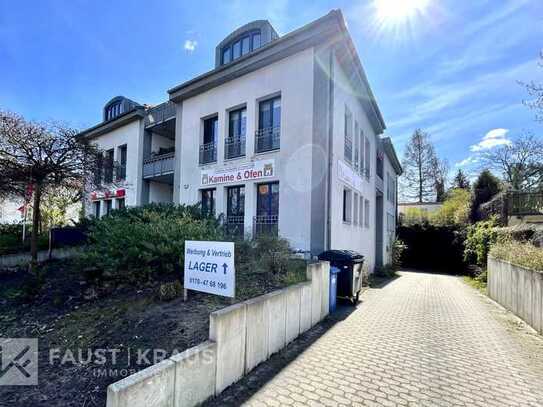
[[452, 68]]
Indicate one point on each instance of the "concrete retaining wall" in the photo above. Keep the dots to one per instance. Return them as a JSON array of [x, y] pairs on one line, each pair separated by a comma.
[[21, 259], [240, 337], [518, 289]]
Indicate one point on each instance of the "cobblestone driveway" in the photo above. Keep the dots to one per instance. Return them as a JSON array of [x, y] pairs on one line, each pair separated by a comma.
[[421, 340]]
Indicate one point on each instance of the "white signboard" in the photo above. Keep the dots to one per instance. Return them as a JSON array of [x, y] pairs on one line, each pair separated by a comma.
[[348, 176], [245, 172], [209, 267]]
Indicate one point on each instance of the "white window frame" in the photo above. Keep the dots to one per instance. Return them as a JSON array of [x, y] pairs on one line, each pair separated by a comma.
[[355, 209], [361, 211], [366, 213]]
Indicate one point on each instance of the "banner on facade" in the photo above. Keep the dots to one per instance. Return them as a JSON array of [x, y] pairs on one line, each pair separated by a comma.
[[348, 176], [245, 172]]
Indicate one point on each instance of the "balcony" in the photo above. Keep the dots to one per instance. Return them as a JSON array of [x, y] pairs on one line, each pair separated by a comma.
[[208, 153], [160, 114], [235, 225], [265, 225], [525, 203], [234, 147], [267, 139], [158, 165]]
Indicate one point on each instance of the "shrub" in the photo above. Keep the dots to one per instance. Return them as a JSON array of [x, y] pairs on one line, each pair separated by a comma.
[[455, 209], [134, 243], [480, 237], [522, 254], [398, 248]]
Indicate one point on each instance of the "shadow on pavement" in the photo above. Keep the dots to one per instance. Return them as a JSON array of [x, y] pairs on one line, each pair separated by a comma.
[[244, 389]]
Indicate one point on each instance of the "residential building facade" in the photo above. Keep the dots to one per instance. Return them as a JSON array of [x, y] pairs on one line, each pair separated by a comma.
[[283, 136]]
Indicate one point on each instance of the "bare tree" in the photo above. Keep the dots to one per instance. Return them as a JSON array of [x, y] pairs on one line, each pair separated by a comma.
[[535, 90], [519, 163], [37, 157], [419, 160]]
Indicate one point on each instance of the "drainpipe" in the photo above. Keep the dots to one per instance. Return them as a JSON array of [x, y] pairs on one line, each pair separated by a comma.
[[328, 245]]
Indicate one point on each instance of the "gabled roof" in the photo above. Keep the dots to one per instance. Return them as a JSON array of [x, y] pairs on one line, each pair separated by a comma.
[[330, 27]]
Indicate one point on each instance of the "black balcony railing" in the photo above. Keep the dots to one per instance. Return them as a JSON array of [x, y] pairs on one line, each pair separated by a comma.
[[208, 153], [234, 147], [525, 203], [160, 113], [265, 225], [120, 171], [158, 165], [235, 225], [267, 139]]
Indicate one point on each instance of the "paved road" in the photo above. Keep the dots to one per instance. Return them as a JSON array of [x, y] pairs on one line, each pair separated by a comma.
[[421, 340]]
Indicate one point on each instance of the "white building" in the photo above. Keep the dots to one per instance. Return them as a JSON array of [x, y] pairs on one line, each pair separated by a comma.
[[284, 135]]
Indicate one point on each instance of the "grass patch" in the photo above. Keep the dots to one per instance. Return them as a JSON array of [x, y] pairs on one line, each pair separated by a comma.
[[476, 283]]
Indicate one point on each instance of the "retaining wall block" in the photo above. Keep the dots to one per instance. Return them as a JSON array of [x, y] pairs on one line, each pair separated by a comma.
[[151, 387], [305, 306], [277, 310], [293, 298], [195, 374], [258, 325], [227, 327], [314, 274]]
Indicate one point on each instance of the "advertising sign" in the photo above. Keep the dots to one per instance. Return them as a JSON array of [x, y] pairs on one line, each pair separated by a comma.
[[209, 267], [245, 172]]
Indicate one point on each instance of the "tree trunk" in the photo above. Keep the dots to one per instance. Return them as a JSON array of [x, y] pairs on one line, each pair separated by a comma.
[[35, 226]]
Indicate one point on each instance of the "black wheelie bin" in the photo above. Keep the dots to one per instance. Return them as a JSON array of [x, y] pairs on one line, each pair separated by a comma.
[[349, 279]]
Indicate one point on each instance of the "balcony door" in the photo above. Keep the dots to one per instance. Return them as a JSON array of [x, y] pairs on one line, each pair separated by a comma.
[[208, 148], [235, 210], [267, 208]]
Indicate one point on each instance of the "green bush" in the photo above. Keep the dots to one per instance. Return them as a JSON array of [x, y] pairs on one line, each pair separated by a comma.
[[480, 237], [137, 245], [523, 254], [11, 239], [398, 248], [133, 244]]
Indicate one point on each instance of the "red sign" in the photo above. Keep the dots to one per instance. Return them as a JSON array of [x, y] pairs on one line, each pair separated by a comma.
[[121, 192]]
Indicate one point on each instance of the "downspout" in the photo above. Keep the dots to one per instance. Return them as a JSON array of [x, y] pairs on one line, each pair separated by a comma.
[[328, 245]]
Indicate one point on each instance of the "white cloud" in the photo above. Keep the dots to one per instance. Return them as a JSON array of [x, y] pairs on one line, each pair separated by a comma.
[[467, 162], [494, 138], [190, 45]]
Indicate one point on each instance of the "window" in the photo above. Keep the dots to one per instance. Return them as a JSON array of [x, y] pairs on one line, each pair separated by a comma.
[[98, 169], [96, 209], [269, 125], [108, 169], [347, 205], [108, 203], [256, 40], [355, 209], [348, 136], [245, 45], [367, 158], [391, 188], [235, 210], [361, 211], [236, 50], [208, 201], [366, 213], [237, 127], [208, 149], [361, 137], [391, 227], [267, 209], [226, 55], [113, 111], [121, 203], [121, 170], [242, 45], [356, 145]]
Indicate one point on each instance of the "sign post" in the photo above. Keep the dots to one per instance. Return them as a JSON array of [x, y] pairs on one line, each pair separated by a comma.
[[209, 267]]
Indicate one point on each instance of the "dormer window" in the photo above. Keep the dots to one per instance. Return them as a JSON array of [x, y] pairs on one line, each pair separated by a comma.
[[245, 43], [113, 110]]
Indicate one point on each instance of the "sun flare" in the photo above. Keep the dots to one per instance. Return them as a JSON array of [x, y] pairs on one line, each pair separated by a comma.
[[399, 11]]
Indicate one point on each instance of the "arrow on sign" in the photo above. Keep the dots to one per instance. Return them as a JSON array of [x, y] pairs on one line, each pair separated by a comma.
[[225, 266]]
